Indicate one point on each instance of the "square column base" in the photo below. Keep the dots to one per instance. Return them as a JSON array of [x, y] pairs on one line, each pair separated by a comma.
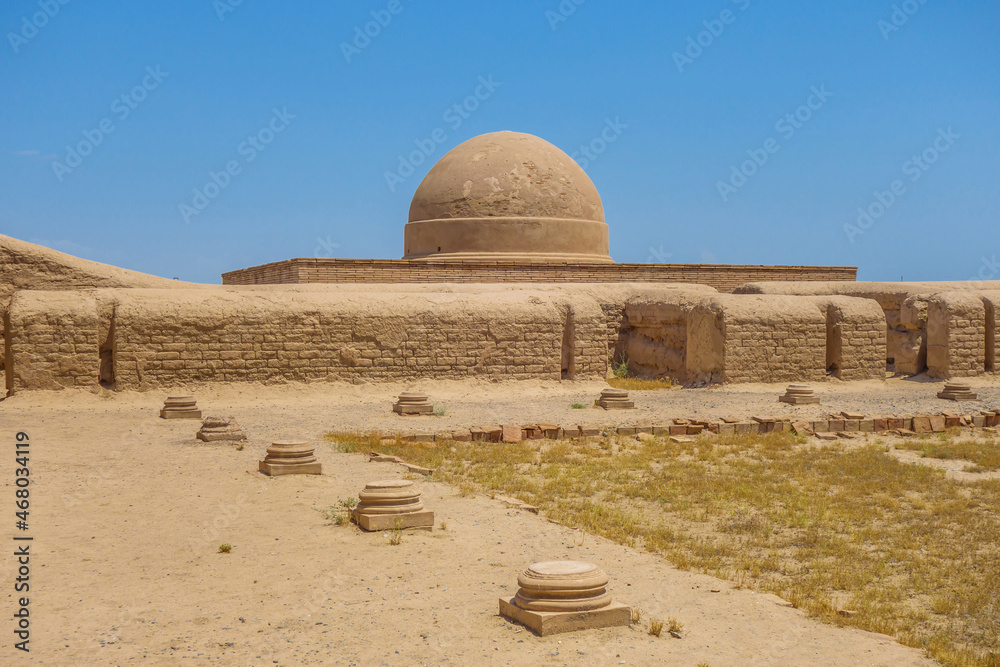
[[180, 414], [958, 397], [373, 522], [545, 623], [231, 436], [800, 400], [275, 469], [615, 405], [413, 410]]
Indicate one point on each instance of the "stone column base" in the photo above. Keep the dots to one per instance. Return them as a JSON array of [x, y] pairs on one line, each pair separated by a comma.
[[545, 623]]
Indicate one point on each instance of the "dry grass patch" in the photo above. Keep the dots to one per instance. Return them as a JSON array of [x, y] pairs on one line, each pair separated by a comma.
[[980, 448], [849, 534], [639, 384]]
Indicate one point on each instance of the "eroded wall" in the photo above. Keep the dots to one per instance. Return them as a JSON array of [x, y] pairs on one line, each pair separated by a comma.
[[53, 340], [956, 335], [906, 307]]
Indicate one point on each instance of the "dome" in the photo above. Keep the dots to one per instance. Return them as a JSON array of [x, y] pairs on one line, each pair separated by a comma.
[[507, 196]]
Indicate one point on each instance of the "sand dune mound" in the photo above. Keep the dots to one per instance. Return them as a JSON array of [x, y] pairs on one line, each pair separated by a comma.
[[28, 266]]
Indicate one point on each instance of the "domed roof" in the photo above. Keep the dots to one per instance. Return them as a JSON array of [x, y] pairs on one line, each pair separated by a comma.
[[506, 174], [507, 195]]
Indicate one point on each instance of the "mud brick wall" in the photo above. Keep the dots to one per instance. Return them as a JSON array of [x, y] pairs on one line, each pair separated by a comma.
[[991, 301], [585, 335], [956, 335], [724, 277], [53, 340], [770, 339], [655, 339], [164, 340], [855, 338], [5, 352]]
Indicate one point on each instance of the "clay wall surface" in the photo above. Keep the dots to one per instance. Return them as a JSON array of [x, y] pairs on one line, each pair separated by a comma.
[[991, 301], [856, 337], [699, 338], [904, 303], [53, 340], [725, 278], [771, 339], [171, 338], [956, 335]]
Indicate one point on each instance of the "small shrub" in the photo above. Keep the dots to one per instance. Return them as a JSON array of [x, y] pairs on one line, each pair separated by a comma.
[[225, 548], [620, 370], [439, 411], [578, 406], [636, 615], [655, 627], [396, 534]]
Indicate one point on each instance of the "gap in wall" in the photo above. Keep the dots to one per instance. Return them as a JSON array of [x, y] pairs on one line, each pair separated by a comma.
[[991, 337], [107, 358], [568, 350], [7, 362]]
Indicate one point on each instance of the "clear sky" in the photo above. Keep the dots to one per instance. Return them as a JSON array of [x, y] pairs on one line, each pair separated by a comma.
[[192, 137]]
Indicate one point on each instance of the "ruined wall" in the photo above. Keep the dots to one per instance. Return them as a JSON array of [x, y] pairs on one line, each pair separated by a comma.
[[991, 303], [657, 340], [956, 335], [703, 338], [26, 266], [904, 304], [724, 277], [177, 338], [855, 338], [772, 339], [6, 367], [53, 340]]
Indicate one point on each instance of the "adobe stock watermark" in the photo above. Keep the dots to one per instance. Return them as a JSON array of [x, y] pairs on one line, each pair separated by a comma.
[[786, 126], [30, 25], [364, 34], [122, 107], [562, 13], [696, 44], [914, 169], [900, 16], [248, 149], [609, 134], [658, 255], [324, 247], [223, 7], [454, 116], [989, 269]]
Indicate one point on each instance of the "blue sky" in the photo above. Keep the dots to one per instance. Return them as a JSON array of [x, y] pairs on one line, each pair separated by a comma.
[[189, 138]]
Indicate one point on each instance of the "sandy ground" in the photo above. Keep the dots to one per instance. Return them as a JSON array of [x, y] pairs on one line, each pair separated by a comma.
[[128, 511]]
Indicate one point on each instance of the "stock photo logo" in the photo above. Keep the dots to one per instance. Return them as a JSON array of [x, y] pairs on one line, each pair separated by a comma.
[[914, 169], [31, 25], [122, 107], [364, 34], [223, 7], [658, 255], [590, 151], [696, 44], [562, 13], [900, 16], [786, 126], [454, 116], [248, 149]]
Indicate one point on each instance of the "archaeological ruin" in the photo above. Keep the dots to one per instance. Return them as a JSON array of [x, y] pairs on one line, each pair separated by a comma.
[[505, 273]]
